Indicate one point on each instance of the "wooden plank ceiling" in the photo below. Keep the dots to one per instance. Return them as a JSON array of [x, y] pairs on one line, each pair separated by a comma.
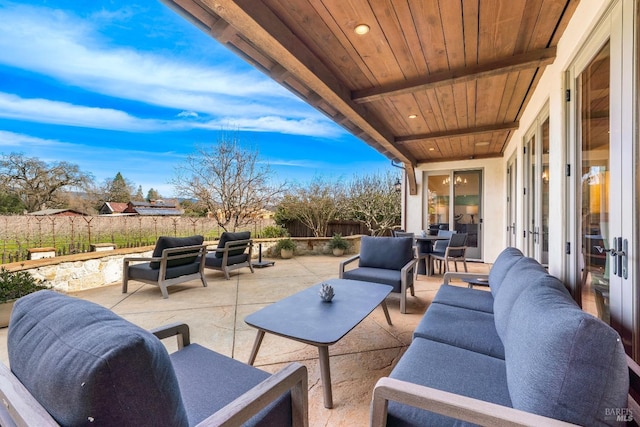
[[432, 80]]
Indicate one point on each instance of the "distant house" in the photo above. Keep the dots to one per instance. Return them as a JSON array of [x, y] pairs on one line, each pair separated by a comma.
[[57, 212], [154, 208], [111, 208]]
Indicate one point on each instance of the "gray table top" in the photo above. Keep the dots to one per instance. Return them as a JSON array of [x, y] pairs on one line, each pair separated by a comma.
[[305, 317]]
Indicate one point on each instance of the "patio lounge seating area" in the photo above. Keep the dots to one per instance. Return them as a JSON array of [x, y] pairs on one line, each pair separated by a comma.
[[215, 315]]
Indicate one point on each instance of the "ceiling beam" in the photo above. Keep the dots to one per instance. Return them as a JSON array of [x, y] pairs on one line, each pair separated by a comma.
[[458, 132], [525, 61], [266, 32]]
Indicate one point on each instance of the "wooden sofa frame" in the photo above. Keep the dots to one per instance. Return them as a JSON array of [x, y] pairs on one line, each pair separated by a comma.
[[168, 255], [26, 411]]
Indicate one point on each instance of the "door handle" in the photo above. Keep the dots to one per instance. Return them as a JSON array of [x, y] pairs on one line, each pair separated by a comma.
[[619, 258]]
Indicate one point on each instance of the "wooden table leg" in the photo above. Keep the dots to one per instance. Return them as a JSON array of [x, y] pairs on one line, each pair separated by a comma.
[[256, 346], [386, 311], [325, 375]]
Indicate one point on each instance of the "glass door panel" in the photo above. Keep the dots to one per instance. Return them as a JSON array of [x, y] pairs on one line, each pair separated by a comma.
[[437, 203], [544, 196], [512, 187], [467, 213], [594, 123]]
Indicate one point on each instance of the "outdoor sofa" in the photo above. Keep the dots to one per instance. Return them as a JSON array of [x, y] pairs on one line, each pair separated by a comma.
[[74, 362], [522, 353]]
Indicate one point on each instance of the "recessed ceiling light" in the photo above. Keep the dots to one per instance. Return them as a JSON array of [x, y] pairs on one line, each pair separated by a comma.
[[361, 29], [480, 144], [431, 149], [412, 116]]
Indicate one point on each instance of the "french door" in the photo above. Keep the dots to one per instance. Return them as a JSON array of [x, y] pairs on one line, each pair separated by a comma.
[[512, 201], [602, 168], [536, 150], [454, 202]]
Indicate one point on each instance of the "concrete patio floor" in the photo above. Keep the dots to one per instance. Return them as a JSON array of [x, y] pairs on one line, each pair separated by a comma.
[[215, 315]]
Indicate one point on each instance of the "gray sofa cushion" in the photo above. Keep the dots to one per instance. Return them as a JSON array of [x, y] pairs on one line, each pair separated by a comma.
[[165, 242], [93, 366], [473, 299], [501, 267], [524, 273], [390, 253], [576, 371], [377, 275], [209, 381], [448, 368], [469, 329], [227, 237]]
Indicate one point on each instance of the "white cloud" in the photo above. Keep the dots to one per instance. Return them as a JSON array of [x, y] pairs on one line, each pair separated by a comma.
[[276, 124], [62, 113], [57, 44]]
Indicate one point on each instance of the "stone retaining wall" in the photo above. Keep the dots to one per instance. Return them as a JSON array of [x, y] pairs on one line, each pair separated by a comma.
[[78, 272]]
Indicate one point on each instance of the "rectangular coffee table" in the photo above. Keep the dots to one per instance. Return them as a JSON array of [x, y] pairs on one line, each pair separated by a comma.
[[306, 318]]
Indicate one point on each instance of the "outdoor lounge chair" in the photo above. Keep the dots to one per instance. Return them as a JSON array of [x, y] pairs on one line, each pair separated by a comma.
[[174, 260], [387, 260], [74, 362], [233, 252]]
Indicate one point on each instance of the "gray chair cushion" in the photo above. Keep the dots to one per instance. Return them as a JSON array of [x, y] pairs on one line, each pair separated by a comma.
[[577, 370], [144, 271], [165, 242], [378, 275], [448, 368], [525, 272], [469, 329], [440, 246], [209, 381], [227, 237], [501, 266], [473, 299], [82, 362], [212, 260], [390, 253]]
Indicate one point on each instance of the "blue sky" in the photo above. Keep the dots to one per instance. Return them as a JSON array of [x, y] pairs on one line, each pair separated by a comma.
[[131, 87]]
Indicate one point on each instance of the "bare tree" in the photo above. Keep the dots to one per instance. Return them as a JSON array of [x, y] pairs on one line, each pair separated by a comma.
[[229, 181], [374, 201], [37, 183], [314, 205]]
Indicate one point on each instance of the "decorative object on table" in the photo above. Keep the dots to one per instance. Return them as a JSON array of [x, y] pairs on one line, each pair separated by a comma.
[[326, 292], [338, 244], [286, 247], [14, 285]]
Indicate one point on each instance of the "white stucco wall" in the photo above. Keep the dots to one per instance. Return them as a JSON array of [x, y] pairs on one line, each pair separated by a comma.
[[549, 89]]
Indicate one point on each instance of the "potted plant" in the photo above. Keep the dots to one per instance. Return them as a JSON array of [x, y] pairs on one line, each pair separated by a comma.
[[338, 244], [14, 285], [286, 247]]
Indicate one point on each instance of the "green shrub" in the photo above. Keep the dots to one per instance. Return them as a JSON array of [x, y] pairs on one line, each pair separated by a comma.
[[338, 242], [286, 244], [273, 232], [14, 285]]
